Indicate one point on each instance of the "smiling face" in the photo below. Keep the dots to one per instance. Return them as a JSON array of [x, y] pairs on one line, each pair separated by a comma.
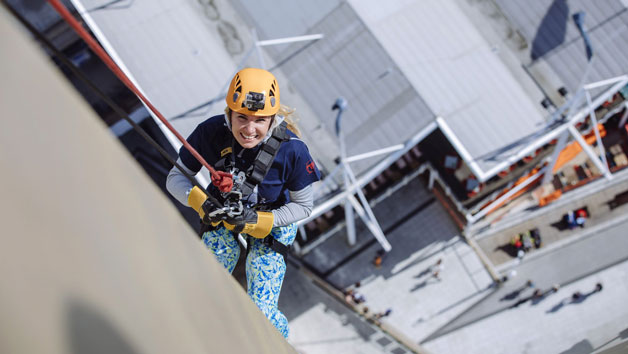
[[249, 130]]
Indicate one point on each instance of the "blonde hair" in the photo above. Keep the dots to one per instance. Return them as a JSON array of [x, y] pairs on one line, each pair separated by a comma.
[[288, 116]]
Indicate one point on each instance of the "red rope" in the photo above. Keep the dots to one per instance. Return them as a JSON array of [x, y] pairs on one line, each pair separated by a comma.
[[223, 180]]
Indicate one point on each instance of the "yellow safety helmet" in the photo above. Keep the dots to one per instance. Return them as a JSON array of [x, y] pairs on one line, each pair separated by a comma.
[[253, 92]]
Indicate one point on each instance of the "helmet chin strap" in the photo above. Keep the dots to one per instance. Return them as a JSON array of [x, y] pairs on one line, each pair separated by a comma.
[[277, 120], [227, 121]]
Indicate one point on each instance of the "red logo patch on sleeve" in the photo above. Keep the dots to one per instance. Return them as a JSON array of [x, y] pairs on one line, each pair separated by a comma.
[[310, 167]]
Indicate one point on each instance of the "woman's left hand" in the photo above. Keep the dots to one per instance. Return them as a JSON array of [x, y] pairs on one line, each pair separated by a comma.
[[251, 222]]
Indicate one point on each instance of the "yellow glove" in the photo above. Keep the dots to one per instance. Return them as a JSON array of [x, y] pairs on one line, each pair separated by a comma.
[[197, 199], [254, 223]]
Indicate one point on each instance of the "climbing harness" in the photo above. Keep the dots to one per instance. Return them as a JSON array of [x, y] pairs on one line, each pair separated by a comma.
[[245, 183], [264, 159]]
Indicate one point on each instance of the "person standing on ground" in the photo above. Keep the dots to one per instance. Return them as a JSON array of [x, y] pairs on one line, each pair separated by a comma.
[[380, 315], [581, 217], [379, 258], [536, 236], [437, 268], [526, 239], [257, 143], [598, 287]]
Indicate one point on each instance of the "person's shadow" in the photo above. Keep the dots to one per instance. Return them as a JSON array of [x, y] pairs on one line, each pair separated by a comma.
[[419, 286], [424, 272], [558, 306], [515, 293], [511, 295], [536, 300], [507, 248], [571, 300], [560, 225]]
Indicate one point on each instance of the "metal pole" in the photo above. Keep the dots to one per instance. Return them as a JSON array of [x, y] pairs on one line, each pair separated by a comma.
[[367, 213], [258, 49], [362, 206], [374, 153], [373, 227], [341, 105], [600, 146], [587, 149], [623, 118], [310, 37], [369, 175], [487, 209]]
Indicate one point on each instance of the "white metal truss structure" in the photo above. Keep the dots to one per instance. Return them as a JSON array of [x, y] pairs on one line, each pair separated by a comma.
[[562, 133], [353, 185], [362, 206]]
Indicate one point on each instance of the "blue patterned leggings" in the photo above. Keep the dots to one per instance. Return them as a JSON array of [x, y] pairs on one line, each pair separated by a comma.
[[265, 268]]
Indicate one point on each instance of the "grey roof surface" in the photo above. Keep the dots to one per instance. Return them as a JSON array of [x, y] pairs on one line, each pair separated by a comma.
[[182, 54], [553, 37], [399, 65], [456, 71], [173, 51], [384, 109]]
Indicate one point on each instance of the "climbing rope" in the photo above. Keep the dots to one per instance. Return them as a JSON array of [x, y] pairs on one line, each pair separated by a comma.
[[114, 106], [222, 180]]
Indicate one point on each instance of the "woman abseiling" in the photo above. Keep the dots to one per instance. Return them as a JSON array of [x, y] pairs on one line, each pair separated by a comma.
[[256, 141]]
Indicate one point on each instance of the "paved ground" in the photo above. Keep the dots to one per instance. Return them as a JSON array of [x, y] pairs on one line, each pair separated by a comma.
[[320, 323], [420, 234], [554, 325], [589, 252], [462, 311]]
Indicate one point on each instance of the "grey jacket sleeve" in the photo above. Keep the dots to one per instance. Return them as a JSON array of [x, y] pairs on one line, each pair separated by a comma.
[[178, 185], [300, 207]]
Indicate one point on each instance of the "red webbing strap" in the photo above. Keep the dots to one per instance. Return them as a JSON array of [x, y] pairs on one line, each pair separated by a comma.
[[221, 179]]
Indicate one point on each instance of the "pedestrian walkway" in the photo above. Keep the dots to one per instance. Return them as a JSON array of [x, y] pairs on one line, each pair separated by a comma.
[[555, 324]]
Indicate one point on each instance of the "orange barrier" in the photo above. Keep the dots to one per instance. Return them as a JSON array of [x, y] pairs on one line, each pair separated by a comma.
[[573, 149], [550, 198], [520, 192], [566, 155]]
